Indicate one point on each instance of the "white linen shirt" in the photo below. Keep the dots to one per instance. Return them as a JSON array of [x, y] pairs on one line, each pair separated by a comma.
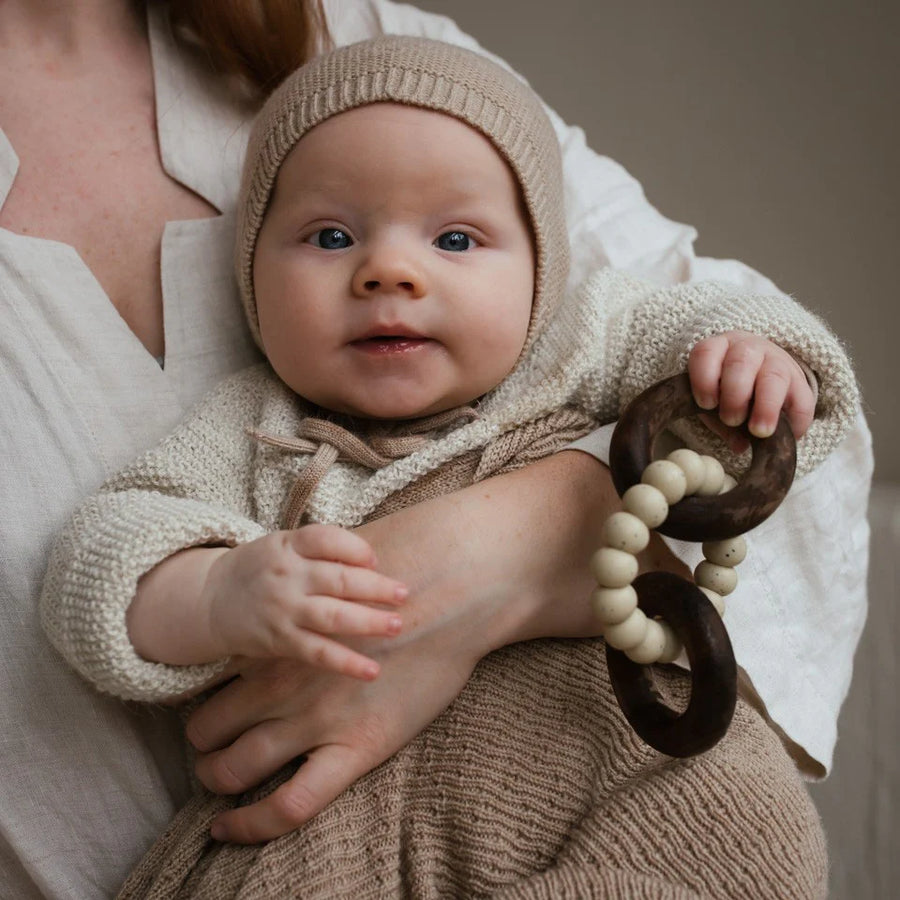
[[86, 782]]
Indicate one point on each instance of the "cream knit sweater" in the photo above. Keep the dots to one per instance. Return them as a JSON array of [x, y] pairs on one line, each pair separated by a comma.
[[211, 482]]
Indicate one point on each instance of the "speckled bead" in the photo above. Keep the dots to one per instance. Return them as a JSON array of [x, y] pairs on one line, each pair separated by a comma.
[[614, 605], [625, 531], [713, 479], [647, 503], [649, 649], [613, 568], [629, 633], [729, 553], [721, 579], [666, 477], [692, 465], [717, 600], [672, 647]]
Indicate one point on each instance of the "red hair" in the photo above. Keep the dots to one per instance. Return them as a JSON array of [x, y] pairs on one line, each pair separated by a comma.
[[259, 42]]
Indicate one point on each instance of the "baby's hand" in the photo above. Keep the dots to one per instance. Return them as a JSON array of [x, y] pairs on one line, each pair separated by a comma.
[[284, 594], [735, 369]]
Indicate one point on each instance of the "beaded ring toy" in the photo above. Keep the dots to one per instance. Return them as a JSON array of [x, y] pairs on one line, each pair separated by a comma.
[[652, 618]]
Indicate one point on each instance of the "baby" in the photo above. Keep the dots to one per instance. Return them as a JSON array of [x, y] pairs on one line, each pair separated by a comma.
[[402, 258]]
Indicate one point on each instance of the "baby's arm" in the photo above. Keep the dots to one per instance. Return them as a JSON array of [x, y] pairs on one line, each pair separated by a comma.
[[751, 380], [281, 595]]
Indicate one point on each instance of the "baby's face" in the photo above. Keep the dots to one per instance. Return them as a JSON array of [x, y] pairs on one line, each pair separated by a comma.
[[394, 271]]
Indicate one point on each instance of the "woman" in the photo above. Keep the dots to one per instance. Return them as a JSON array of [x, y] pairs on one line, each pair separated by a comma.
[[120, 149]]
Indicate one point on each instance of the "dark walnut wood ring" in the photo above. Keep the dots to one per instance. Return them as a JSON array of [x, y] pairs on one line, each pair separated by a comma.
[[713, 671], [763, 486]]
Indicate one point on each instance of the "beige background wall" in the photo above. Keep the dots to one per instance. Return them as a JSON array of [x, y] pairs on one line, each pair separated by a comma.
[[773, 127]]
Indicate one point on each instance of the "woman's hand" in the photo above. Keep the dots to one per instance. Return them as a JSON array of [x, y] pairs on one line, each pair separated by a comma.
[[501, 561]]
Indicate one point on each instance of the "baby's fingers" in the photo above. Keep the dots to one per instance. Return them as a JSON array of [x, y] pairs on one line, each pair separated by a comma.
[[334, 579], [705, 369], [772, 386], [331, 615], [781, 385], [738, 383], [325, 653], [333, 543]]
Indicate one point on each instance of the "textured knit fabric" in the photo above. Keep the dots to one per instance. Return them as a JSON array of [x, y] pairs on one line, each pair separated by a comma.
[[86, 398], [531, 785], [432, 75], [211, 482]]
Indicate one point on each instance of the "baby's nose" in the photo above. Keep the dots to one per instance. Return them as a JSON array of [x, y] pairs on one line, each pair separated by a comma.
[[392, 270]]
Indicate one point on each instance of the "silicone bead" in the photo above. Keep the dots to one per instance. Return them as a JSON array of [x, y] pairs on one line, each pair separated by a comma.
[[613, 568], [729, 553], [672, 647], [649, 649], [692, 465], [625, 531], [629, 633], [720, 579], [713, 479], [647, 503], [666, 477], [716, 599], [614, 605], [728, 484]]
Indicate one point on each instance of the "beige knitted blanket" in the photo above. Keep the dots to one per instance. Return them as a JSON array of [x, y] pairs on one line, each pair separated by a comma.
[[530, 785]]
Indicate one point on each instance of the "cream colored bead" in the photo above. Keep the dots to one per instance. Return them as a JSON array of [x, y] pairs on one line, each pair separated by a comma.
[[730, 552], [721, 579], [614, 605], [647, 503], [717, 600], [650, 648], [666, 477], [713, 479], [729, 484], [613, 568], [625, 531], [692, 465], [629, 633], [672, 647]]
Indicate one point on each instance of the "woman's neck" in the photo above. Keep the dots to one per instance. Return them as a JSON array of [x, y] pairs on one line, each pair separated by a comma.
[[70, 29]]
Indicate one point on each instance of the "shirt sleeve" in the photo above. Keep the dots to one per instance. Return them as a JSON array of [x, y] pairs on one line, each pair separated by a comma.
[[194, 489]]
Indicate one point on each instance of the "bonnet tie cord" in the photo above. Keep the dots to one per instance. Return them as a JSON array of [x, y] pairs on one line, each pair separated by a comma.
[[329, 442]]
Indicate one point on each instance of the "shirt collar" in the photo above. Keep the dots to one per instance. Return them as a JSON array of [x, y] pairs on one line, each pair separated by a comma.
[[202, 129], [9, 165]]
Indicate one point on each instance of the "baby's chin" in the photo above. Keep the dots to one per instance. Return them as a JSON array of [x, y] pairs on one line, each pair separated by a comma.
[[384, 410]]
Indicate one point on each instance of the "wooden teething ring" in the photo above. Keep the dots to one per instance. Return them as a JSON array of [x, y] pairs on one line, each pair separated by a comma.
[[683, 605]]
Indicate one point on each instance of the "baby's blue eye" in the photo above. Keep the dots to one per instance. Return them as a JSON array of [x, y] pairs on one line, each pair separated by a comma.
[[455, 241], [331, 239]]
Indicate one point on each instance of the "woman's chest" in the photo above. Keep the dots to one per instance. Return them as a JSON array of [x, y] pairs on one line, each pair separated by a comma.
[[90, 176]]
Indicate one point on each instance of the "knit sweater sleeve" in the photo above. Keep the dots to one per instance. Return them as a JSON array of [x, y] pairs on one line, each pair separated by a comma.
[[193, 489], [650, 332]]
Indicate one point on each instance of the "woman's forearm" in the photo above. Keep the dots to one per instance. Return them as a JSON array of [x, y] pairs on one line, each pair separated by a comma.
[[510, 553]]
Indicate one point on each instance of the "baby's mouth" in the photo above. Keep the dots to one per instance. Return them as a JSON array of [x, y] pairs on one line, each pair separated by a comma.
[[388, 344]]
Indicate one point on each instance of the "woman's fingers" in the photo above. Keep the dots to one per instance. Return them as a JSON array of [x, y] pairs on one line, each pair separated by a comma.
[[254, 756], [257, 694], [323, 775]]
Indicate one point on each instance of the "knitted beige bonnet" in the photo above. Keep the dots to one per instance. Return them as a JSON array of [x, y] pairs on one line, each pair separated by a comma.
[[432, 75]]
